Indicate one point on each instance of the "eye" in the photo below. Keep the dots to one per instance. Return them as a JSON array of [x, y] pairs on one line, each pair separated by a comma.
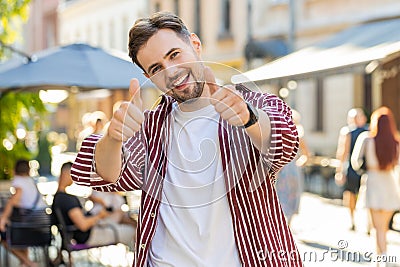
[[174, 54], [155, 69]]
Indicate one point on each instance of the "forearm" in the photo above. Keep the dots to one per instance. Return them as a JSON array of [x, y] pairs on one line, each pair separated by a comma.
[[89, 222], [7, 210], [260, 132], [98, 200], [5, 215], [108, 158]]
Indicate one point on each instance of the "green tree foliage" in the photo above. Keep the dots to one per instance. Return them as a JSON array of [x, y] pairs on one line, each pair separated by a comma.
[[17, 110], [12, 14], [23, 110]]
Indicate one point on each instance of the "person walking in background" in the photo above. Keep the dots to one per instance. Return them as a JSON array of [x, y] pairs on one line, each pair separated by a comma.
[[380, 147], [26, 195], [290, 180], [205, 159], [88, 229], [345, 173]]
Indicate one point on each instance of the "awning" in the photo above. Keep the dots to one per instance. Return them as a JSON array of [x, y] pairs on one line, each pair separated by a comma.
[[75, 65], [347, 51], [272, 48]]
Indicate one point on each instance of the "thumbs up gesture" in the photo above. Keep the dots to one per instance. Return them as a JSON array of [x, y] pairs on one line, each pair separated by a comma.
[[128, 118], [228, 102]]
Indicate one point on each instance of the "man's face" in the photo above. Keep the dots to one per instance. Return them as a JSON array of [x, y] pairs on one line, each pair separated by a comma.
[[174, 65]]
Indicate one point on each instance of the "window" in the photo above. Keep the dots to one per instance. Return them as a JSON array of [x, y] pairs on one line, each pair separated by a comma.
[[100, 35], [368, 92], [197, 18], [157, 7], [88, 38], [126, 28], [112, 34], [176, 7], [319, 119], [225, 28], [279, 1]]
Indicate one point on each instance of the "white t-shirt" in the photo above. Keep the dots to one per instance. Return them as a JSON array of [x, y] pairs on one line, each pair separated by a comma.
[[29, 192], [194, 226]]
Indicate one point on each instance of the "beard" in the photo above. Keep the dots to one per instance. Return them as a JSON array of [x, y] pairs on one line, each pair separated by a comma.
[[194, 88], [190, 94]]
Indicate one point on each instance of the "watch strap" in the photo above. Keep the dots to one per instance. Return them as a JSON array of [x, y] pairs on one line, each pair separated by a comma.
[[253, 116]]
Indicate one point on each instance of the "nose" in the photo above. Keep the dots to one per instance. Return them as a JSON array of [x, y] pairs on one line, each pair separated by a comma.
[[171, 70]]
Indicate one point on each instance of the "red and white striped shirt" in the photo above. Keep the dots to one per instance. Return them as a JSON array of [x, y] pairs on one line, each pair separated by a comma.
[[261, 233]]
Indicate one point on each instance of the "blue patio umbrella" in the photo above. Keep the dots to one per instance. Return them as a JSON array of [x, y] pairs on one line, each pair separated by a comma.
[[78, 65]]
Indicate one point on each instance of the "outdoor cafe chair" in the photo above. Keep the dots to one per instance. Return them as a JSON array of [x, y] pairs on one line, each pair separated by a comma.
[[31, 234], [68, 244]]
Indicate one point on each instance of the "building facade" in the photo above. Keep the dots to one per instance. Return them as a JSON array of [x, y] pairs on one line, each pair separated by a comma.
[[323, 98], [104, 24], [240, 35], [100, 23], [41, 30], [237, 36]]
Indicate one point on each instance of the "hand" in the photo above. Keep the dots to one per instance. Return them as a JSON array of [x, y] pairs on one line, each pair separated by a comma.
[[128, 118], [340, 179], [103, 213], [3, 223], [228, 102], [301, 161]]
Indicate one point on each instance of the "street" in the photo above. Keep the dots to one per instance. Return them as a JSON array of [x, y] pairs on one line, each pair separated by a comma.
[[324, 238], [322, 231]]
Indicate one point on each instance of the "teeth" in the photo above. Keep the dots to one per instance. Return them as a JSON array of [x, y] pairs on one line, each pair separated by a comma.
[[180, 80]]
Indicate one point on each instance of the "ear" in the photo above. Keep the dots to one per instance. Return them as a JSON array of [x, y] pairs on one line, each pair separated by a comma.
[[196, 43]]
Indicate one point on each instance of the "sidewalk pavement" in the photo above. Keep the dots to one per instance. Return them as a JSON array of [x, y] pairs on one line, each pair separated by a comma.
[[324, 238], [323, 235]]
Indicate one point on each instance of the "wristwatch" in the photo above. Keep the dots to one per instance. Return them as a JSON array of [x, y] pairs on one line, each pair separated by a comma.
[[253, 115]]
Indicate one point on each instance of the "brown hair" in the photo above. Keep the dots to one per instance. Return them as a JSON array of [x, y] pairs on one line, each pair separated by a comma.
[[145, 28], [384, 132], [22, 167], [66, 166]]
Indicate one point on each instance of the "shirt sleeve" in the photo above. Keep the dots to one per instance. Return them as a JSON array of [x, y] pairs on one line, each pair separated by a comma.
[[17, 182], [284, 139], [84, 173]]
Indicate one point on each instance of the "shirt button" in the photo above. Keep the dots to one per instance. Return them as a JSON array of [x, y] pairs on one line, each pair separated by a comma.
[[143, 246], [152, 215]]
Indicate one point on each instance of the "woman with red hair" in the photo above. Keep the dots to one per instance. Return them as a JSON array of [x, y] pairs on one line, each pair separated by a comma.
[[380, 146]]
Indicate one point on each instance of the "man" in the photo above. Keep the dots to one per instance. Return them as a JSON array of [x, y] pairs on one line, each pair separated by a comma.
[[345, 174], [87, 227], [25, 195], [205, 159]]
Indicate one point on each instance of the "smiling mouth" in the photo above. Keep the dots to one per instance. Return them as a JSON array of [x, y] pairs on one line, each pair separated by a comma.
[[181, 82]]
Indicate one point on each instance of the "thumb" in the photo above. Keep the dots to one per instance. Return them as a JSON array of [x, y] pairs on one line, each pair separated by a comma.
[[210, 80], [134, 92]]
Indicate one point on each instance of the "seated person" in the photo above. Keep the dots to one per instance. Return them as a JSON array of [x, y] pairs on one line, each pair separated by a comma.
[[27, 196], [112, 202], [88, 227]]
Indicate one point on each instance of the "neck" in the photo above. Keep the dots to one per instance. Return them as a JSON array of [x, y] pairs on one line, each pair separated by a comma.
[[194, 104], [61, 186], [197, 103], [61, 189]]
